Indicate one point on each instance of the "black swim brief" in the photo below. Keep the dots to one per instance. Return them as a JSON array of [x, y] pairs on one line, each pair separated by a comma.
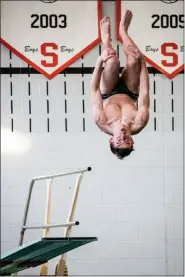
[[121, 88]]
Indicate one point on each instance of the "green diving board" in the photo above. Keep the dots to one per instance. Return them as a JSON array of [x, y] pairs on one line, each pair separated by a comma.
[[39, 252]]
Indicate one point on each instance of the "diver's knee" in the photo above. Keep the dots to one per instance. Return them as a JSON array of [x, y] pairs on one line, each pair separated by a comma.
[[132, 61], [113, 62]]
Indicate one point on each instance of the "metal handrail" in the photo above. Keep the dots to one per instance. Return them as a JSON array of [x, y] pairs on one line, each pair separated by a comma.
[[69, 224], [52, 176], [62, 174]]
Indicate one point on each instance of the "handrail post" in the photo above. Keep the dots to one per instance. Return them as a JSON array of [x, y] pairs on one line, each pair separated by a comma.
[[61, 267], [26, 212], [44, 267]]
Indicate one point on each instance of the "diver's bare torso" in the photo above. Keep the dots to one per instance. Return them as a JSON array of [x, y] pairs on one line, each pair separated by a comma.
[[122, 108]]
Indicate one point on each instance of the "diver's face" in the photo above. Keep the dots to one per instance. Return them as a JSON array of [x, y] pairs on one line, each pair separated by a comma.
[[122, 138]]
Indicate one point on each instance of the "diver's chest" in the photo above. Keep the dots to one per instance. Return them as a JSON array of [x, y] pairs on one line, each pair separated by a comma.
[[113, 112], [116, 111]]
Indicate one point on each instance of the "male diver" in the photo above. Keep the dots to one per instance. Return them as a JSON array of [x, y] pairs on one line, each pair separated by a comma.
[[120, 102]]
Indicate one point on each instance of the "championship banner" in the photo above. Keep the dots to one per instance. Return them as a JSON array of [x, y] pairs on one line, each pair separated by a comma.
[[157, 28], [50, 35]]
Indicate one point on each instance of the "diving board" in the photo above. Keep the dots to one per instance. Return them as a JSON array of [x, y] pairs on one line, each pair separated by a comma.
[[39, 252]]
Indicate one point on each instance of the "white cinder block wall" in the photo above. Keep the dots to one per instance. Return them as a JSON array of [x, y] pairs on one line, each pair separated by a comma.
[[134, 207]]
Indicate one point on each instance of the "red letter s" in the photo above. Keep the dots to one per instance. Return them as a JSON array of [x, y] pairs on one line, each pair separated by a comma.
[[49, 54], [169, 54]]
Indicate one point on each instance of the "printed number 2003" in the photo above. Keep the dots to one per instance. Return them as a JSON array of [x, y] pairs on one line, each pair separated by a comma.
[[49, 21]]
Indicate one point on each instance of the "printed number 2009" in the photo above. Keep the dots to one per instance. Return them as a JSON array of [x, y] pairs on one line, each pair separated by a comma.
[[52, 21], [166, 21]]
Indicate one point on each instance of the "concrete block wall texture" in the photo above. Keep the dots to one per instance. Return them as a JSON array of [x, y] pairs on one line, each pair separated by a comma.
[[134, 207]]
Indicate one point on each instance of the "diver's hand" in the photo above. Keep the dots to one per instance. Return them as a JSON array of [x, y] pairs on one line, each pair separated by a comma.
[[136, 53], [100, 117], [107, 54]]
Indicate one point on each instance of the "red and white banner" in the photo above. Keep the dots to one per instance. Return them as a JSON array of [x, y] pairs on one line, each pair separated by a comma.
[[50, 35], [157, 28]]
